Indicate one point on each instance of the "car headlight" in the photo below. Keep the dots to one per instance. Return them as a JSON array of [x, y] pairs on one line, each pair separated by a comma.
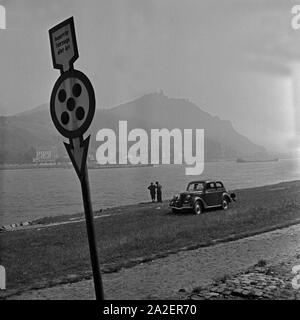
[[187, 198]]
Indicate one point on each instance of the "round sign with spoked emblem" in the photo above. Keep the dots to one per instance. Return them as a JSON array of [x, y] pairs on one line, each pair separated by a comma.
[[72, 104]]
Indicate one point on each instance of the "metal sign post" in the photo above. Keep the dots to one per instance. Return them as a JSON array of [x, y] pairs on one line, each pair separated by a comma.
[[72, 108]]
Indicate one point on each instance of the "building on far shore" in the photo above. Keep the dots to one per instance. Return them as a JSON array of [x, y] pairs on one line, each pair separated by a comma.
[[45, 155]]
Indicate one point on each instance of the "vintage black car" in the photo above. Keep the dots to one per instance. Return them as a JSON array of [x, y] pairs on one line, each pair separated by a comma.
[[201, 195]]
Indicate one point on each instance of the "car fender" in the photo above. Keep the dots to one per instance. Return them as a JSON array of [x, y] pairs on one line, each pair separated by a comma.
[[226, 196], [197, 198]]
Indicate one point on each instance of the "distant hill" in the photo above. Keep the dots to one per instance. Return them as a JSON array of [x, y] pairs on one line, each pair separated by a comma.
[[34, 128]]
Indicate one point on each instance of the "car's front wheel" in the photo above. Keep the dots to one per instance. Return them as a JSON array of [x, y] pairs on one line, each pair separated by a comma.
[[225, 204], [198, 209]]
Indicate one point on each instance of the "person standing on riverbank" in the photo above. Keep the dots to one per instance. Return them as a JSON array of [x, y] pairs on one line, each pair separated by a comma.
[[158, 192], [152, 189]]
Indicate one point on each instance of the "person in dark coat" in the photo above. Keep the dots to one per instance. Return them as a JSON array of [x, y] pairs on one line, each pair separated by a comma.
[[158, 192], [152, 190]]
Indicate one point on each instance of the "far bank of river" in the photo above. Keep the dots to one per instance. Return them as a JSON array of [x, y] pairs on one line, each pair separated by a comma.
[[69, 166]]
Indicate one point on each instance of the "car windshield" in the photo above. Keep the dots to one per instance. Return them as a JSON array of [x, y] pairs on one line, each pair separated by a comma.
[[196, 186]]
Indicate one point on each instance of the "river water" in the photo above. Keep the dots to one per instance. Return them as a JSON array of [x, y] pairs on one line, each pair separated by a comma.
[[28, 194]]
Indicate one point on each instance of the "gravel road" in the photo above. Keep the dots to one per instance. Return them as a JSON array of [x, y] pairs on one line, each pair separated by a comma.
[[162, 278]]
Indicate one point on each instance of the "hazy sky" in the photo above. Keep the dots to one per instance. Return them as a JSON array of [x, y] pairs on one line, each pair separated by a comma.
[[233, 58]]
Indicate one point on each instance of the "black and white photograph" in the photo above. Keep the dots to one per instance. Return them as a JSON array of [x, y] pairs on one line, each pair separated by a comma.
[[150, 151]]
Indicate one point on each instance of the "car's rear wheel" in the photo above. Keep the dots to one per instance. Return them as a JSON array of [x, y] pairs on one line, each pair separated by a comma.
[[175, 210], [225, 204], [198, 209]]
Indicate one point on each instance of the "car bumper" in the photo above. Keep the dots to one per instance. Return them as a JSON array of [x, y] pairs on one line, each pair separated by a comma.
[[183, 207]]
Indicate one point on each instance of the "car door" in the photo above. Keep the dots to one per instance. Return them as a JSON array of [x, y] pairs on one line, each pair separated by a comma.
[[210, 196], [220, 191]]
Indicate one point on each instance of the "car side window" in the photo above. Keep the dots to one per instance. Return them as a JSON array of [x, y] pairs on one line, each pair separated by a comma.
[[219, 184], [199, 187], [210, 186]]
